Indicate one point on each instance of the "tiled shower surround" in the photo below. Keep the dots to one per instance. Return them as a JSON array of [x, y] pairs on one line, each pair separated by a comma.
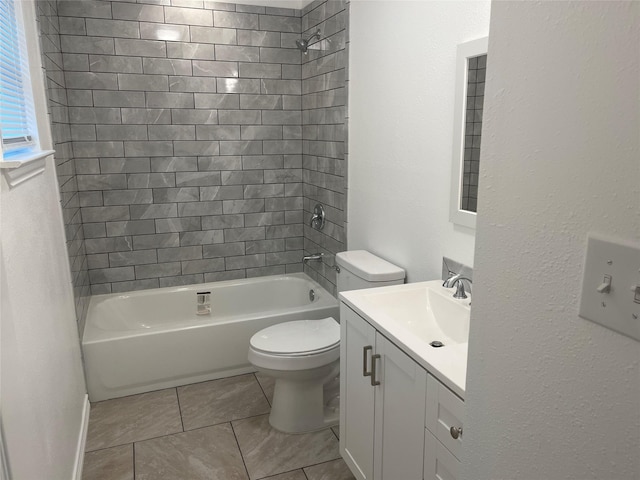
[[202, 138], [324, 133], [47, 16]]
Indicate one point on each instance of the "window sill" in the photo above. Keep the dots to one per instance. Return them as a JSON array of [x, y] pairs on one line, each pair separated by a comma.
[[24, 167]]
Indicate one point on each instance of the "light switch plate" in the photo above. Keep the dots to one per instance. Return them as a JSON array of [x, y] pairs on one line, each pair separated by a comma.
[[618, 262]]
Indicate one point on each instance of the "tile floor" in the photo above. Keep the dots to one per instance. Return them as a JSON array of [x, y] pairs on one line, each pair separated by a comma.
[[212, 430]]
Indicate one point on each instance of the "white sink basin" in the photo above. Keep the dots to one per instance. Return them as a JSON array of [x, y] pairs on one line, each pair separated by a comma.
[[426, 310], [414, 315]]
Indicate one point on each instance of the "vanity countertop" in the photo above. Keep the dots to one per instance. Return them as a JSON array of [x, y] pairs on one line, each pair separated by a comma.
[[448, 363]]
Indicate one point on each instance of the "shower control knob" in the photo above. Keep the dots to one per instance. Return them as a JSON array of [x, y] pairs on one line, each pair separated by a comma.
[[318, 218]]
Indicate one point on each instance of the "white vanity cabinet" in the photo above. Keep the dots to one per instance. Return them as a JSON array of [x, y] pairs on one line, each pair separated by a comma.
[[357, 396], [383, 396], [393, 414]]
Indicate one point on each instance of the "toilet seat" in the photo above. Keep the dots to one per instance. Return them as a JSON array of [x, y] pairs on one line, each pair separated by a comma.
[[299, 337], [296, 345], [291, 363]]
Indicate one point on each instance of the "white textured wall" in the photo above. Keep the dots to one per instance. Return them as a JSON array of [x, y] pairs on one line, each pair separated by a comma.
[[401, 96], [43, 389], [550, 395]]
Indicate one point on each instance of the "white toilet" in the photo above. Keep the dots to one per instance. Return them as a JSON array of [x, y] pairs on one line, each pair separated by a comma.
[[304, 355]]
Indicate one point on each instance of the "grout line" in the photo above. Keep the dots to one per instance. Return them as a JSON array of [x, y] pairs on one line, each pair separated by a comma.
[[321, 463], [240, 450], [179, 409], [222, 423], [168, 388], [263, 392], [284, 473], [133, 446], [107, 448], [135, 441]]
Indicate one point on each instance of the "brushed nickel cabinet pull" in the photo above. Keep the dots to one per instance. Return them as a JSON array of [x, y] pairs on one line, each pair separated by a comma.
[[374, 382], [366, 349]]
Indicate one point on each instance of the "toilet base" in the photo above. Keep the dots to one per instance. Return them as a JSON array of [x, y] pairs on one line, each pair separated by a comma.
[[329, 418], [302, 405]]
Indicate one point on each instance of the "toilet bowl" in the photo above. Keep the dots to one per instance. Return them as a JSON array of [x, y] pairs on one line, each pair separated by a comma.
[[304, 355]]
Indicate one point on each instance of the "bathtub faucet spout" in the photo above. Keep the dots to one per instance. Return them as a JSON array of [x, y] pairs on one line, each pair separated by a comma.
[[203, 303], [314, 257]]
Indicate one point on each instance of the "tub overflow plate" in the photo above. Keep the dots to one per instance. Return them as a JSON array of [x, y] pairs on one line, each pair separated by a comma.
[[312, 295]]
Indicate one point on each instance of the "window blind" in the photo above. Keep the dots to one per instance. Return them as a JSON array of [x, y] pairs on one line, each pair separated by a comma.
[[16, 105]]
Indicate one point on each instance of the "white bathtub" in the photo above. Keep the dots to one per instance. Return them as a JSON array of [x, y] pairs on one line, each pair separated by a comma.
[[152, 339]]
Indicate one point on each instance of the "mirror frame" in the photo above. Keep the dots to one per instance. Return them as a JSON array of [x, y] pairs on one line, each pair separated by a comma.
[[466, 51]]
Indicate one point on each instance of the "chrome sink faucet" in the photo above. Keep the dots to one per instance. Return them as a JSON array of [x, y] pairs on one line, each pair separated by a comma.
[[456, 280], [458, 283], [453, 277]]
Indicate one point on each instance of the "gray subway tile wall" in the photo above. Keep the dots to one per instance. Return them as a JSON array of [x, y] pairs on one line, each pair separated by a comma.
[[477, 68], [50, 27], [171, 105], [324, 133], [201, 139]]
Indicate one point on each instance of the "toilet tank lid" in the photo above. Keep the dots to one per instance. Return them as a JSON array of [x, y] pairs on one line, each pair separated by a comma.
[[369, 267]]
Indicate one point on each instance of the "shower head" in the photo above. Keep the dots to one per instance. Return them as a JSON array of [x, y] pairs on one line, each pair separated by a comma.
[[303, 45]]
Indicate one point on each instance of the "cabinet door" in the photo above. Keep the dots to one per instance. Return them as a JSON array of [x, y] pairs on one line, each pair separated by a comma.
[[445, 411], [439, 463], [357, 341], [400, 410]]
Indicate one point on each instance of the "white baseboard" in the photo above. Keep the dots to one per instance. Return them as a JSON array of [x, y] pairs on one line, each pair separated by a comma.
[[82, 440]]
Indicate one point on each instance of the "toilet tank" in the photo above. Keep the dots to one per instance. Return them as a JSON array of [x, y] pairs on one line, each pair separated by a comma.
[[361, 269]]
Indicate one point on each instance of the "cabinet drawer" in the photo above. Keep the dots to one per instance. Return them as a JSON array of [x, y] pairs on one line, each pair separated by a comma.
[[439, 463], [444, 415]]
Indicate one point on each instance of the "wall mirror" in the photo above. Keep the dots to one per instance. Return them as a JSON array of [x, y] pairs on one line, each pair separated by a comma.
[[471, 67]]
